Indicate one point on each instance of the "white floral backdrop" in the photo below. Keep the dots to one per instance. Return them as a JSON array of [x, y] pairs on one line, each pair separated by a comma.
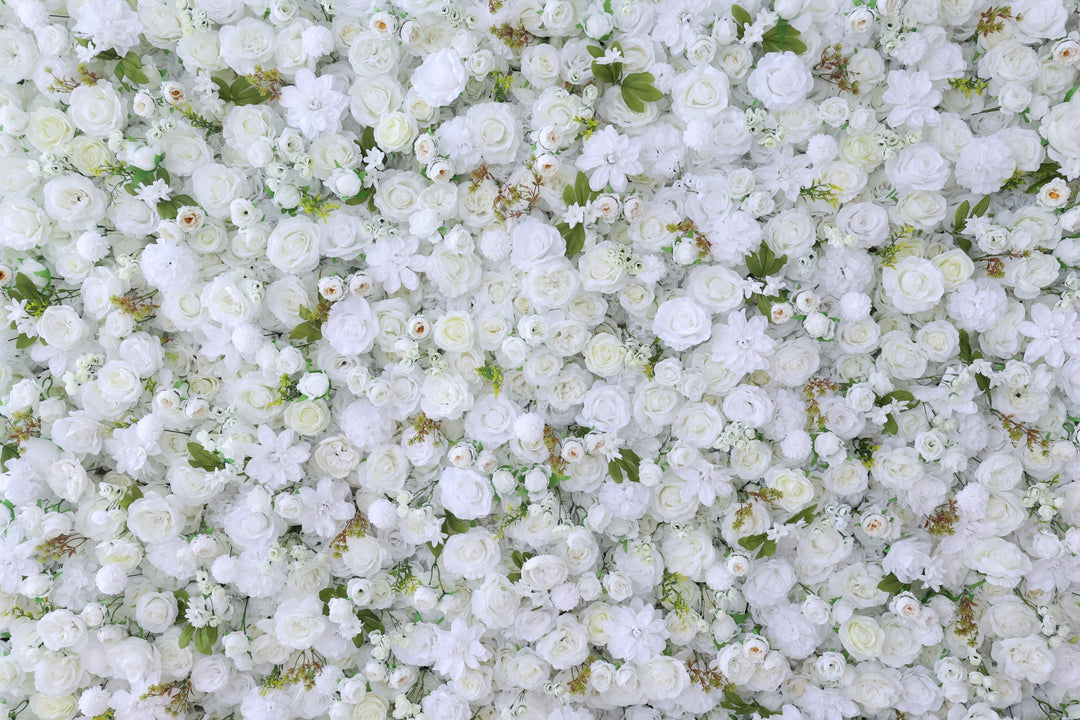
[[565, 360]]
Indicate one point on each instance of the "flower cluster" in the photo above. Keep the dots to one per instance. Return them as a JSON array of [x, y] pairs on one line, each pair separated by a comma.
[[540, 359]]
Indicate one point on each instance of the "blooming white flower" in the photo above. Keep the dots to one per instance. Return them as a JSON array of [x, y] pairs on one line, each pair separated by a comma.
[[608, 158], [312, 104], [913, 97]]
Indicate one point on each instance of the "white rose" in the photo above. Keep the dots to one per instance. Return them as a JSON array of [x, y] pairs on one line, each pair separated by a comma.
[[668, 678], [78, 434], [74, 202], [155, 612], [535, 243], [60, 629], [215, 187], [797, 490], [681, 324], [96, 109], [17, 55], [67, 478], [293, 245], [862, 637], [606, 408], [1001, 561], [61, 327], [298, 623], [247, 44], [699, 94], [781, 81], [565, 646], [185, 151], [716, 288], [210, 673], [769, 583], [1024, 658], [922, 208], [917, 167], [445, 396], [53, 707], [118, 383], [395, 131], [306, 417], [372, 98], [154, 518], [914, 285], [1061, 128], [49, 127], [22, 224], [465, 493], [440, 78], [470, 555], [495, 602], [866, 222], [495, 130], [791, 233], [351, 326], [544, 572]]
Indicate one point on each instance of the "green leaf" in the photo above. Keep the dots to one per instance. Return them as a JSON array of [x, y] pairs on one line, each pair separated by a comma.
[[963, 243], [632, 99], [205, 637], [615, 470], [361, 197], [24, 341], [595, 50], [133, 493], [182, 598], [742, 19], [244, 93], [768, 549], [961, 215], [982, 382], [28, 289], [603, 73], [980, 209], [574, 237], [901, 395], [202, 458], [892, 585], [367, 139], [891, 427], [753, 542], [965, 347], [642, 82], [568, 195], [306, 332], [168, 209], [9, 452], [805, 515], [764, 262], [371, 621], [186, 634], [630, 463], [131, 66], [454, 525], [223, 89], [583, 192], [783, 37]]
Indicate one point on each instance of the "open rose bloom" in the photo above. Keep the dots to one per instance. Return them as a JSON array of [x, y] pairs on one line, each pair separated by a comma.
[[554, 360]]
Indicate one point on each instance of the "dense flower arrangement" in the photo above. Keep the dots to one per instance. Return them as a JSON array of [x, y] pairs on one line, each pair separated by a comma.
[[566, 360]]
